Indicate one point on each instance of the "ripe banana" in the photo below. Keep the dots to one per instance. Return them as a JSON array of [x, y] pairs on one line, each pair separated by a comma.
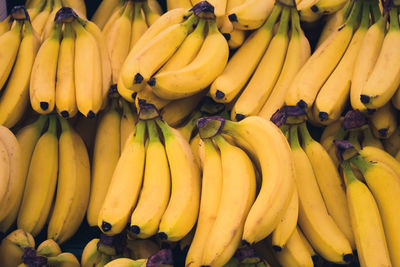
[[48, 248], [4, 171], [329, 6], [172, 4], [370, 140], [147, 96], [139, 25], [92, 257], [251, 14], [50, 20], [65, 259], [77, 5], [5, 24], [236, 39], [12, 247], [384, 121], [39, 22], [374, 154], [104, 12], [40, 182], [182, 210], [151, 15]]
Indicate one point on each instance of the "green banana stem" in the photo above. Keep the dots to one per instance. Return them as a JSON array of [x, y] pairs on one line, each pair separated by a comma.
[[394, 19], [305, 134], [153, 132], [191, 124], [41, 121], [276, 11], [56, 31], [376, 11], [295, 23], [361, 163], [284, 21], [349, 174], [354, 16], [209, 127], [166, 131], [340, 134], [140, 131], [348, 7], [294, 137], [365, 16], [52, 125], [64, 124]]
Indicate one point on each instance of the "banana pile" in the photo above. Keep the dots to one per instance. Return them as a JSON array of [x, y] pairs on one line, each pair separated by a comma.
[[18, 249]]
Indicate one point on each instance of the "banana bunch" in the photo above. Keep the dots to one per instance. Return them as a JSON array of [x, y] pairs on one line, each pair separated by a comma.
[[155, 185], [179, 56], [18, 249], [259, 73], [71, 70], [49, 163], [20, 44]]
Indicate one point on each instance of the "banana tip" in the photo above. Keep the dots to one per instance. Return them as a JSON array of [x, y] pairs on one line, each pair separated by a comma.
[[232, 17], [383, 132], [348, 257], [138, 78], [323, 116], [135, 229], [277, 248], [152, 82], [162, 236], [245, 243], [105, 226], [239, 117], [44, 105], [64, 114], [90, 115], [219, 94], [365, 99]]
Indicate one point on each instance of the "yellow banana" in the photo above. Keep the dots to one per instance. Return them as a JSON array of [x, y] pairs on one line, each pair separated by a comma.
[[318, 226], [50, 20], [40, 182], [104, 12], [307, 244], [370, 140], [150, 15], [322, 62], [14, 100], [115, 15], [366, 222], [385, 76], [4, 171], [128, 122], [243, 63], [198, 74], [13, 246], [328, 6], [172, 4], [48, 248], [251, 14], [375, 154], [384, 121], [5, 25], [182, 210], [236, 39], [42, 88], [155, 193], [234, 205], [209, 205], [147, 96], [125, 184], [139, 24], [265, 76], [107, 149], [39, 22], [65, 85], [298, 52], [92, 257], [65, 259], [10, 41], [392, 144], [34, 10]]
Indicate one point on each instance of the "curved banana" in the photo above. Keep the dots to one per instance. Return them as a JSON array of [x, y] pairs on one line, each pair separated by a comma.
[[265, 76], [115, 15], [209, 205], [182, 210], [92, 257], [322, 62], [14, 100], [251, 14], [234, 205], [42, 89], [318, 226], [244, 61], [48, 248], [104, 12], [200, 73], [155, 193], [384, 121], [125, 184], [366, 222], [40, 182], [374, 154], [10, 42], [5, 24], [236, 39], [147, 96], [65, 85], [34, 10], [139, 24]]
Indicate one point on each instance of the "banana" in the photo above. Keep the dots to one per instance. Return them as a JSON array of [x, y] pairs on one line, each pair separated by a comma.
[[104, 12], [65, 85], [128, 122], [286, 227], [34, 10], [115, 15], [322, 62], [10, 41], [195, 144], [251, 14], [200, 73], [154, 195], [154, 6], [14, 100], [140, 65], [176, 111], [150, 15], [73, 186], [77, 5], [48, 248], [125, 184], [370, 140], [366, 222], [107, 149], [39, 22], [182, 210], [332, 97], [219, 6], [295, 253], [188, 49], [5, 25], [172, 4], [307, 244], [118, 40], [126, 262], [147, 96], [318, 226], [212, 180], [328, 6], [139, 24], [42, 89], [236, 39], [40, 182], [243, 63], [366, 60], [50, 20], [329, 182], [13, 246], [65, 259], [4, 171], [27, 138], [92, 257], [392, 144], [265, 76], [374, 154], [88, 73], [236, 198], [384, 184], [298, 52], [385, 76], [384, 121], [187, 129]]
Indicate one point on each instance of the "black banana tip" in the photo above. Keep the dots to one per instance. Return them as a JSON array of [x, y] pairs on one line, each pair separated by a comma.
[[135, 229], [371, 111], [323, 116], [314, 9], [138, 78], [64, 114], [227, 36], [232, 17], [245, 243], [219, 94], [383, 132], [90, 115], [239, 117], [277, 248], [302, 104], [44, 105], [163, 236], [105, 226], [134, 95], [205, 265], [348, 257], [152, 82], [365, 99]]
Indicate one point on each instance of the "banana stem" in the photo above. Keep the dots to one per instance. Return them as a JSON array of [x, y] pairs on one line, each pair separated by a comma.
[[140, 131], [361, 163], [353, 18], [376, 11], [365, 15], [394, 19], [41, 121], [284, 21], [219, 140], [211, 126], [64, 124], [166, 131], [348, 172], [52, 125], [295, 23], [276, 11], [153, 132], [305, 134], [56, 31], [294, 137], [28, 28]]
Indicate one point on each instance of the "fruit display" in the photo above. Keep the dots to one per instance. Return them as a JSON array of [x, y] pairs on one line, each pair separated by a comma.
[[200, 133]]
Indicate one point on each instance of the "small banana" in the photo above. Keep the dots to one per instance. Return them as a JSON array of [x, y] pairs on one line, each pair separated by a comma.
[[48, 248], [65, 259], [251, 14], [384, 121]]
